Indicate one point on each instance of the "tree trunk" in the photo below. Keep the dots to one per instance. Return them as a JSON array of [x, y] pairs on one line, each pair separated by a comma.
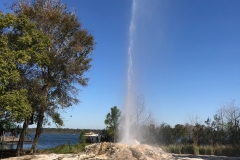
[[38, 132], [22, 137]]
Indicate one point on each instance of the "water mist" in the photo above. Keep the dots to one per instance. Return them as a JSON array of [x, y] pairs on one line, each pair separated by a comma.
[[127, 139]]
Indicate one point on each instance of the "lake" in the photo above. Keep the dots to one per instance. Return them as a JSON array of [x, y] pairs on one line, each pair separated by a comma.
[[53, 140]]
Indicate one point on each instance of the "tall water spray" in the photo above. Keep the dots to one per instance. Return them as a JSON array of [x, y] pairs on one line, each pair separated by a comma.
[[130, 89]]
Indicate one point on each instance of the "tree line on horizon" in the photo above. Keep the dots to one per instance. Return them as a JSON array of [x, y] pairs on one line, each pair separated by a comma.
[[63, 130], [44, 53], [222, 129]]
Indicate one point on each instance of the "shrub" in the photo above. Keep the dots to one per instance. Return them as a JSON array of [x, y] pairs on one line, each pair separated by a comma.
[[236, 150], [205, 150], [63, 149], [218, 150], [82, 138], [187, 149]]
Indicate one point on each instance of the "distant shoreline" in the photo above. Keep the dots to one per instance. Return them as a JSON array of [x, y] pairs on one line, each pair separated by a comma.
[[62, 131]]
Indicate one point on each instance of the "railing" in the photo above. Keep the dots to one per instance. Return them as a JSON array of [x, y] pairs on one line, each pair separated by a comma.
[[10, 138], [13, 139]]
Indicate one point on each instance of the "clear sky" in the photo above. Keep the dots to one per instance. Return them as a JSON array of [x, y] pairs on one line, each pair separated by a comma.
[[186, 58]]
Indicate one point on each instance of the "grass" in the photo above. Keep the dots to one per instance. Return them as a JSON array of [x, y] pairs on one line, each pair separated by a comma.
[[218, 150], [65, 148], [179, 149]]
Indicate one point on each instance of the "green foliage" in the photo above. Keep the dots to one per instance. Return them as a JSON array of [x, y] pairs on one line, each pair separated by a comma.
[[112, 123], [53, 76], [187, 149], [167, 134], [82, 138], [217, 150], [63, 64], [172, 149], [56, 118], [178, 149], [65, 148], [16, 105], [206, 150], [9, 126], [19, 43], [180, 133]]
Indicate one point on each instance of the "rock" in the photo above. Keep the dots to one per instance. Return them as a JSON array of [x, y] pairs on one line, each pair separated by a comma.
[[107, 151], [120, 151]]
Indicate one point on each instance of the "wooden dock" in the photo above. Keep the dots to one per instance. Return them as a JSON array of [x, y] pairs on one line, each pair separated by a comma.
[[13, 140]]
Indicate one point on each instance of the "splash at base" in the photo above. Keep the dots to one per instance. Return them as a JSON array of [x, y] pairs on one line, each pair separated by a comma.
[[130, 142]]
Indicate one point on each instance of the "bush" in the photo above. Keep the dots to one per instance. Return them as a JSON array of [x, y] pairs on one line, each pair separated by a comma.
[[82, 138], [64, 149], [187, 149], [217, 150], [236, 150], [174, 149], [205, 150]]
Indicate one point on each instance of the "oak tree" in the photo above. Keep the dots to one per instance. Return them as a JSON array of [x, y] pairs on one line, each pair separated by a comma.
[[20, 42], [69, 58]]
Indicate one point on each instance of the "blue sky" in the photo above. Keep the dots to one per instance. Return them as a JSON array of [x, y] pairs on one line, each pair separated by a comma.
[[185, 57]]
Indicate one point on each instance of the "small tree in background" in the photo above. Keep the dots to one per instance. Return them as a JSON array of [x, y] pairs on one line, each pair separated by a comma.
[[232, 117], [82, 138], [180, 133], [141, 117], [112, 122]]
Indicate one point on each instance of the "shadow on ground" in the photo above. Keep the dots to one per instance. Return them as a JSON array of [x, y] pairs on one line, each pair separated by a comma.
[[203, 157]]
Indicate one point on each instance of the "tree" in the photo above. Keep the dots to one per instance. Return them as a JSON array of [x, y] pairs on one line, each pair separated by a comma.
[[166, 134], [140, 116], [232, 117], [112, 122], [20, 43], [69, 58], [180, 133], [149, 135], [82, 138]]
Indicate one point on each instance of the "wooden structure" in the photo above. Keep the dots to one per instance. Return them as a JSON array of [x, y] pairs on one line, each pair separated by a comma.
[[13, 140], [91, 137]]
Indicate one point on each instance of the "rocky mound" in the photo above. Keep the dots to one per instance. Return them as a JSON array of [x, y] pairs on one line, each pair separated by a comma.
[[117, 151], [106, 151], [112, 151]]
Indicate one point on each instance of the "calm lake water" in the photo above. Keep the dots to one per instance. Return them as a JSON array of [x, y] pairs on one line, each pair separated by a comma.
[[53, 140]]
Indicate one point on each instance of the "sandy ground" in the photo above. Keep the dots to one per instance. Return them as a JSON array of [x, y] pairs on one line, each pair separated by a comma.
[[79, 157]]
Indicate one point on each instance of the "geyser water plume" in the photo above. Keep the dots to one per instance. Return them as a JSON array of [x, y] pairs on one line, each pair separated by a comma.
[[127, 139]]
